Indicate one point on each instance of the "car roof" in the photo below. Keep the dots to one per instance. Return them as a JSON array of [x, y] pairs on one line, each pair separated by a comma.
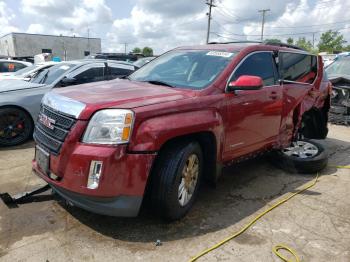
[[239, 46], [15, 61]]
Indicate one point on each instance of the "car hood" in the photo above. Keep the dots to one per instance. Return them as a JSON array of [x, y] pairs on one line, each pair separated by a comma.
[[121, 93], [9, 85]]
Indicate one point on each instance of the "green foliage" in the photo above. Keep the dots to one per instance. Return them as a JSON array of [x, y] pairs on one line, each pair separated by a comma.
[[136, 50], [331, 41], [290, 41], [147, 51], [303, 43], [273, 40]]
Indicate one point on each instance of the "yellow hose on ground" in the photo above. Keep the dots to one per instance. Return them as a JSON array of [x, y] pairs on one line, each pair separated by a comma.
[[311, 184], [277, 247], [280, 246]]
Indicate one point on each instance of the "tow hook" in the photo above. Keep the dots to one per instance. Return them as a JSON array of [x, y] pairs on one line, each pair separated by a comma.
[[25, 197]]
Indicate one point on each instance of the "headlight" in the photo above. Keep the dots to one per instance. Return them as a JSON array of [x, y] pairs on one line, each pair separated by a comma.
[[109, 126]]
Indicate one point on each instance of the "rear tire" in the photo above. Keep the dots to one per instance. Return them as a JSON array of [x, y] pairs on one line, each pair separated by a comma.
[[16, 126], [312, 160], [172, 176]]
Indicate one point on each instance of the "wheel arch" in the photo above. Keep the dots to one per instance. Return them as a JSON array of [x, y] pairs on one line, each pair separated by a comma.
[[20, 108]]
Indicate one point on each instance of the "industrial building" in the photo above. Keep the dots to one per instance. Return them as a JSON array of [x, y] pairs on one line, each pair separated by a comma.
[[19, 45]]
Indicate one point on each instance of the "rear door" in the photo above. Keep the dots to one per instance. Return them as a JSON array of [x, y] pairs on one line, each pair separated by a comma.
[[253, 117], [298, 73], [89, 73], [117, 70]]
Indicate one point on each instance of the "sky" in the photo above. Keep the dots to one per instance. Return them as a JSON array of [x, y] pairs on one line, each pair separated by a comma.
[[166, 24]]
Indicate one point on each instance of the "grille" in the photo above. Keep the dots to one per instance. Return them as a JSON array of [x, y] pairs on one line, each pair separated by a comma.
[[52, 138]]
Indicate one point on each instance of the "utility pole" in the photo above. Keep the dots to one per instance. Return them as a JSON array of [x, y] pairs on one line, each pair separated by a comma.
[[263, 11], [125, 45], [88, 33], [313, 40], [210, 5]]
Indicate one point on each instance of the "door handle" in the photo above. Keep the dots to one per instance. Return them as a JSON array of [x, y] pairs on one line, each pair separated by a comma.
[[273, 95]]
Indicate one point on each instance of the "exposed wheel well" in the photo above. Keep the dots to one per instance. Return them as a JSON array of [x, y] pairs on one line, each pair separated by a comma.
[[314, 122]]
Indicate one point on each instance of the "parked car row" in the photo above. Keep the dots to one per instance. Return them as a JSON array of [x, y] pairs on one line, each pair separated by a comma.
[[20, 100]]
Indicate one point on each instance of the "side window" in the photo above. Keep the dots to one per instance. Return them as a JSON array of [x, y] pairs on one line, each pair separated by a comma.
[[11, 66], [259, 64], [90, 73], [118, 70], [19, 66], [298, 67]]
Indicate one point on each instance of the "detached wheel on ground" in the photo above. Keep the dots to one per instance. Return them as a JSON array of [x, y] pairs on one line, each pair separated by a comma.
[[16, 126], [176, 179], [303, 156]]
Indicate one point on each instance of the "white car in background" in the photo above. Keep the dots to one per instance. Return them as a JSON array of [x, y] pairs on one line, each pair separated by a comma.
[[11, 66], [28, 72]]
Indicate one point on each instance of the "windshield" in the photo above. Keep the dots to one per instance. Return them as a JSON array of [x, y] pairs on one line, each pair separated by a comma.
[[50, 75], [26, 70], [339, 67], [192, 69]]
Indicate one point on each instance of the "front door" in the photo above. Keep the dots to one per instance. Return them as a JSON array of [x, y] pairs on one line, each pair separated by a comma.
[[253, 117]]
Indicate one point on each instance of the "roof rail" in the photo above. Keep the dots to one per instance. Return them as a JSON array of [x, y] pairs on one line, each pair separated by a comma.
[[236, 42], [283, 45], [259, 42]]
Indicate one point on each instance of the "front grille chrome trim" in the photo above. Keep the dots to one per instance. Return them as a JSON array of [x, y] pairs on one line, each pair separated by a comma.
[[63, 104], [52, 137]]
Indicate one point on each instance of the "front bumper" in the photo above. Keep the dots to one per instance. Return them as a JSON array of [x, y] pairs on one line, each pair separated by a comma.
[[122, 183], [121, 206]]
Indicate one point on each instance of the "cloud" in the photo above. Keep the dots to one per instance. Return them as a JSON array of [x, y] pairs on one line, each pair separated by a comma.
[[7, 17], [162, 25], [66, 16], [165, 24]]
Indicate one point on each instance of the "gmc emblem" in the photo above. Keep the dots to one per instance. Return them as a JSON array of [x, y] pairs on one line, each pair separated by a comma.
[[46, 121]]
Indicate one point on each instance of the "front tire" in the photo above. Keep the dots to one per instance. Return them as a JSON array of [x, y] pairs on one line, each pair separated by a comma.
[[176, 179], [16, 126]]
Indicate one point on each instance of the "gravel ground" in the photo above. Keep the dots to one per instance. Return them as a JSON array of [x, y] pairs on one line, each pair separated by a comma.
[[316, 223]]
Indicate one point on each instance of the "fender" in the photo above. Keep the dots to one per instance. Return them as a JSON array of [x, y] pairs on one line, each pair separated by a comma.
[[152, 133]]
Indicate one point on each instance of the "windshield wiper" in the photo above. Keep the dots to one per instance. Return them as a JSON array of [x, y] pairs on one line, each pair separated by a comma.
[[158, 82]]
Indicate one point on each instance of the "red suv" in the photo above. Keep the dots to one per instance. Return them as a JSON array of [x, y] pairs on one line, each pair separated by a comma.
[[177, 121]]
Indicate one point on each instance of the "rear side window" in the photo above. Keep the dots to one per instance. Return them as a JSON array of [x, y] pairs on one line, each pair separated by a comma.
[[298, 67], [93, 74], [10, 67], [257, 64], [118, 70]]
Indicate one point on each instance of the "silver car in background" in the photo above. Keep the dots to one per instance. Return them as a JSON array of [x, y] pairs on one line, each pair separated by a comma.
[[28, 72], [20, 100]]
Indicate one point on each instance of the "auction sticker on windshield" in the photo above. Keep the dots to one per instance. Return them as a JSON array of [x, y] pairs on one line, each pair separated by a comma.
[[219, 53], [64, 67]]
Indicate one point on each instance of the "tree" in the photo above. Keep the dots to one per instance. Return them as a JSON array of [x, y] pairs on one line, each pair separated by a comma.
[[303, 43], [147, 51], [331, 41], [273, 40], [290, 41], [346, 48], [136, 50]]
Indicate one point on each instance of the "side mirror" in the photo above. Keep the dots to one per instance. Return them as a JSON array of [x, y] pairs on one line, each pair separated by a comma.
[[67, 81], [246, 82]]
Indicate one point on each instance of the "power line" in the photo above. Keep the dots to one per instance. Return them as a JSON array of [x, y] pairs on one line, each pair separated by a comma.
[[303, 26], [290, 34]]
